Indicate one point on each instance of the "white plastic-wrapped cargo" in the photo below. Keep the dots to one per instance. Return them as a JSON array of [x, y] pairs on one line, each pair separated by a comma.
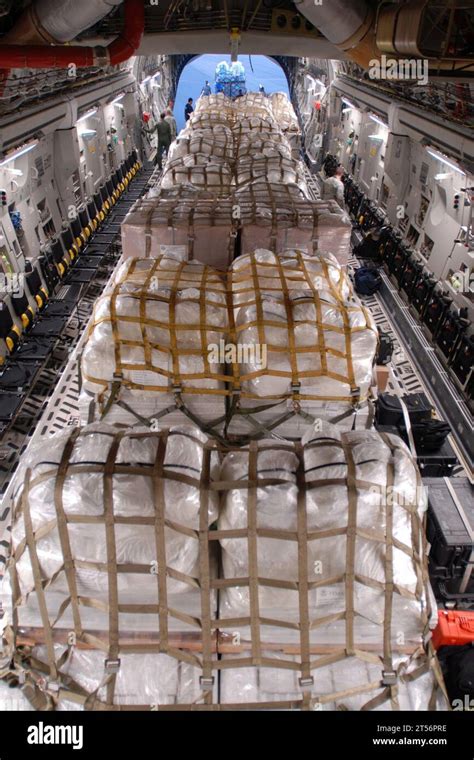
[[337, 521], [261, 146], [202, 224], [205, 172], [278, 217], [305, 343], [349, 684], [146, 353], [100, 512], [273, 169], [144, 681], [284, 114], [210, 142]]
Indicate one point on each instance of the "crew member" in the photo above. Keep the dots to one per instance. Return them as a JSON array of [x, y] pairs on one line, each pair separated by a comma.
[[163, 138], [172, 122], [333, 187], [188, 109], [206, 90]]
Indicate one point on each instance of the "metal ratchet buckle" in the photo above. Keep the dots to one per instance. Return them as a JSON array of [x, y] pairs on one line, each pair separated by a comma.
[[306, 682], [111, 665], [389, 678], [206, 682]]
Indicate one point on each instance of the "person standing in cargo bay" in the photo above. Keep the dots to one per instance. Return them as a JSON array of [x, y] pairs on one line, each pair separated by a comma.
[[188, 109], [163, 138], [333, 187], [172, 122]]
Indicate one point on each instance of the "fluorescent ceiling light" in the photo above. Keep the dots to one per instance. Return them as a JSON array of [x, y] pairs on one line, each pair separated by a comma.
[[147, 79], [442, 175], [440, 157], [158, 74], [348, 103], [87, 133], [376, 137], [87, 115], [19, 152], [118, 99], [378, 121], [16, 172]]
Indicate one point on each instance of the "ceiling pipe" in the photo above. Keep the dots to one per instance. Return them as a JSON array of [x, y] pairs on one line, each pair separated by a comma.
[[348, 24], [64, 56], [54, 22]]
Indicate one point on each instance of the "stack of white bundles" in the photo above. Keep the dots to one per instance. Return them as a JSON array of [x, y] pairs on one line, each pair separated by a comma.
[[283, 111], [108, 514], [337, 521], [209, 142], [213, 102], [305, 343], [260, 145], [277, 217], [205, 172], [349, 684], [252, 124], [271, 169], [285, 116], [145, 681], [202, 224], [146, 356], [209, 119]]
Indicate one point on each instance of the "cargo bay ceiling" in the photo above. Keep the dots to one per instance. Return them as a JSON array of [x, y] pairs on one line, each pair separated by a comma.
[[108, 31], [41, 40]]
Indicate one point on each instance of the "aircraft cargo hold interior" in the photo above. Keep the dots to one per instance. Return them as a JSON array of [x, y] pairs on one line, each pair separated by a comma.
[[237, 356]]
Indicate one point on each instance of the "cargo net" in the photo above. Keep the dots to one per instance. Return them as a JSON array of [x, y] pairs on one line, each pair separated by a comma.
[[285, 340], [160, 571], [230, 143], [279, 216]]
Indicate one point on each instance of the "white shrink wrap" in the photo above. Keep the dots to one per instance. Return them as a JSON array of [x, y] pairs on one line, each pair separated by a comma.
[[149, 340], [303, 338], [107, 514], [146, 681], [278, 216], [276, 170], [280, 687], [205, 172], [346, 511], [209, 142], [199, 221]]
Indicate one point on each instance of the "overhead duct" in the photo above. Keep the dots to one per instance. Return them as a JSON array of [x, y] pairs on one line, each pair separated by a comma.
[[42, 56], [54, 22], [348, 24]]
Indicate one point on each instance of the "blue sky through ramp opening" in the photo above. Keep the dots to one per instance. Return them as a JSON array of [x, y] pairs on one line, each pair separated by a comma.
[[195, 73]]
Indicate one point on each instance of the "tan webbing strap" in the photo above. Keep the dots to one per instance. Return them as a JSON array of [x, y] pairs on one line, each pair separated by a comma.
[[148, 230], [319, 317], [295, 381], [62, 522], [389, 676], [144, 294], [112, 663], [258, 304], [207, 679], [191, 233], [253, 553], [160, 539], [306, 679], [38, 577], [350, 544], [172, 326]]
